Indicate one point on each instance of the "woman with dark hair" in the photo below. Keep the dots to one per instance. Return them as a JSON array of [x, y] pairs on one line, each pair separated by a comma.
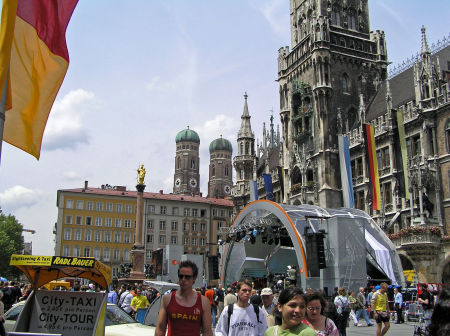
[[316, 306], [291, 310], [440, 322]]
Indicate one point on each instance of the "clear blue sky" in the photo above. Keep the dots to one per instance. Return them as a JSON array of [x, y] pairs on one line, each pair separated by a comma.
[[140, 71]]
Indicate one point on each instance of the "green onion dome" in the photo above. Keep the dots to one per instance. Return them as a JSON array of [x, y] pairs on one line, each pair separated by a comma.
[[187, 135], [220, 144]]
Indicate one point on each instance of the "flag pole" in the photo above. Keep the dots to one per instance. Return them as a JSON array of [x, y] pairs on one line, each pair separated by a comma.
[[2, 113]]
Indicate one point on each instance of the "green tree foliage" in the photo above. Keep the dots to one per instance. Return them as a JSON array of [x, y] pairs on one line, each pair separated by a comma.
[[11, 241]]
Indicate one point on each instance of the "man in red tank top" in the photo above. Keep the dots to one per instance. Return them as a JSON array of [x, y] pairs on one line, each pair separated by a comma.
[[186, 312]]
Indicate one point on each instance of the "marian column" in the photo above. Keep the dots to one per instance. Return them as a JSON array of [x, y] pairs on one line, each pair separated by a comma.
[[137, 253]]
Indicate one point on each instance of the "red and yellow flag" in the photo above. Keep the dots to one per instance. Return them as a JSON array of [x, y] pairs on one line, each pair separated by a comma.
[[39, 61], [373, 166]]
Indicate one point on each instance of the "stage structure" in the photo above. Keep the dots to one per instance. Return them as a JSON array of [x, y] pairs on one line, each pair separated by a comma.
[[326, 247]]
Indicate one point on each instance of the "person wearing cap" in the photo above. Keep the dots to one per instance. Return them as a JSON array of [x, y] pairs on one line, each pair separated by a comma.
[[426, 300], [268, 305]]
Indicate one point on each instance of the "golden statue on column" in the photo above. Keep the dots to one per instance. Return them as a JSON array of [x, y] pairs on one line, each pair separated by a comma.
[[141, 174]]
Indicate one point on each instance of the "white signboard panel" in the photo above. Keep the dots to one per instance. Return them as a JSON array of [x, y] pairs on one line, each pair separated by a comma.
[[68, 313]]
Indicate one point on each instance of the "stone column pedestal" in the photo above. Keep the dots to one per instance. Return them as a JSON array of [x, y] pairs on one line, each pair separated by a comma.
[[137, 254]]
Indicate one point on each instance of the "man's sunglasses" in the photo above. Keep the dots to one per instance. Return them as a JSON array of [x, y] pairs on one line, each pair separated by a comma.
[[187, 277]]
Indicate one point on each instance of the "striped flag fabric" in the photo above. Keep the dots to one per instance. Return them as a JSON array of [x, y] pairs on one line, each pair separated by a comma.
[[401, 155], [253, 186], [371, 157], [346, 172], [269, 187], [8, 19], [38, 65]]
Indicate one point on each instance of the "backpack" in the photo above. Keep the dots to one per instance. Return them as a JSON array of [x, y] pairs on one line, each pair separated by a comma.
[[345, 309], [230, 311]]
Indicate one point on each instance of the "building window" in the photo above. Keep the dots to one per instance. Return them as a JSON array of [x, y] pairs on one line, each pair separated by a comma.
[[386, 194], [78, 220], [202, 241], [67, 234], [351, 20], [109, 207], [107, 236], [99, 206], [148, 254], [151, 209], [76, 251], [126, 255], [126, 238], [69, 204], [345, 83], [194, 212], [162, 225], [128, 208], [187, 212], [174, 225], [108, 222], [119, 207], [186, 241], [127, 223], [97, 236], [447, 135], [219, 226], [90, 206], [116, 254], [173, 240], [194, 227], [77, 235], [227, 171], [149, 238], [175, 211], [96, 253], [215, 212], [359, 200], [185, 226], [336, 16], [162, 239], [194, 242], [87, 235], [202, 213], [106, 254], [222, 213], [203, 227], [149, 224], [88, 220], [87, 252], [213, 170], [383, 158], [118, 222], [413, 146], [193, 164], [163, 209], [117, 237], [68, 219], [80, 205], [66, 251], [98, 221]]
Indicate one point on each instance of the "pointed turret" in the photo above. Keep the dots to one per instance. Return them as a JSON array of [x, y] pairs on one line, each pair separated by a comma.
[[246, 127]]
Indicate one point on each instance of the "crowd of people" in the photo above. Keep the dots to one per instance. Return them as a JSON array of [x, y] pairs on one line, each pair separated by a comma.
[[242, 310]]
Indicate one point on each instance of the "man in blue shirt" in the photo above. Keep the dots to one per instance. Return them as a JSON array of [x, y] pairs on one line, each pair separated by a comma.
[[398, 303], [112, 296]]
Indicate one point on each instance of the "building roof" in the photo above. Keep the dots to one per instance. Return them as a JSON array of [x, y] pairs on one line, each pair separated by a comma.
[[187, 135], [220, 144], [150, 195], [402, 88]]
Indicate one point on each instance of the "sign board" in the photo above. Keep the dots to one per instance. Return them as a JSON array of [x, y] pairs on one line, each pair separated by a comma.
[[68, 313]]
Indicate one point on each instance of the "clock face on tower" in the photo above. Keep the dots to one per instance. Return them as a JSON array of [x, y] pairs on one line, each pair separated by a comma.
[[227, 189], [177, 182], [193, 182]]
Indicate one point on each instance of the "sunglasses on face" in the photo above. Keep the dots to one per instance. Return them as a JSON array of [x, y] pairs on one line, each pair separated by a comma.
[[187, 277]]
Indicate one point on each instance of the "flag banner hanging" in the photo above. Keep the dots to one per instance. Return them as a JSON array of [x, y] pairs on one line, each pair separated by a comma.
[[268, 186], [39, 61], [371, 157], [8, 18], [401, 156], [346, 172], [253, 187], [280, 171]]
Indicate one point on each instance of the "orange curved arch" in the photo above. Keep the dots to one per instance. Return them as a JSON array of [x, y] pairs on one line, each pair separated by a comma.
[[292, 225]]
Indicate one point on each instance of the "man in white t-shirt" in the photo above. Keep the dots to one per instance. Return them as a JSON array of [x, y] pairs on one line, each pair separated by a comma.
[[245, 319]]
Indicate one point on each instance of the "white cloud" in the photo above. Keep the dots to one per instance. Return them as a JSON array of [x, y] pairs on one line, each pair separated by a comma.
[[275, 13], [18, 197], [220, 125], [65, 124], [71, 175]]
